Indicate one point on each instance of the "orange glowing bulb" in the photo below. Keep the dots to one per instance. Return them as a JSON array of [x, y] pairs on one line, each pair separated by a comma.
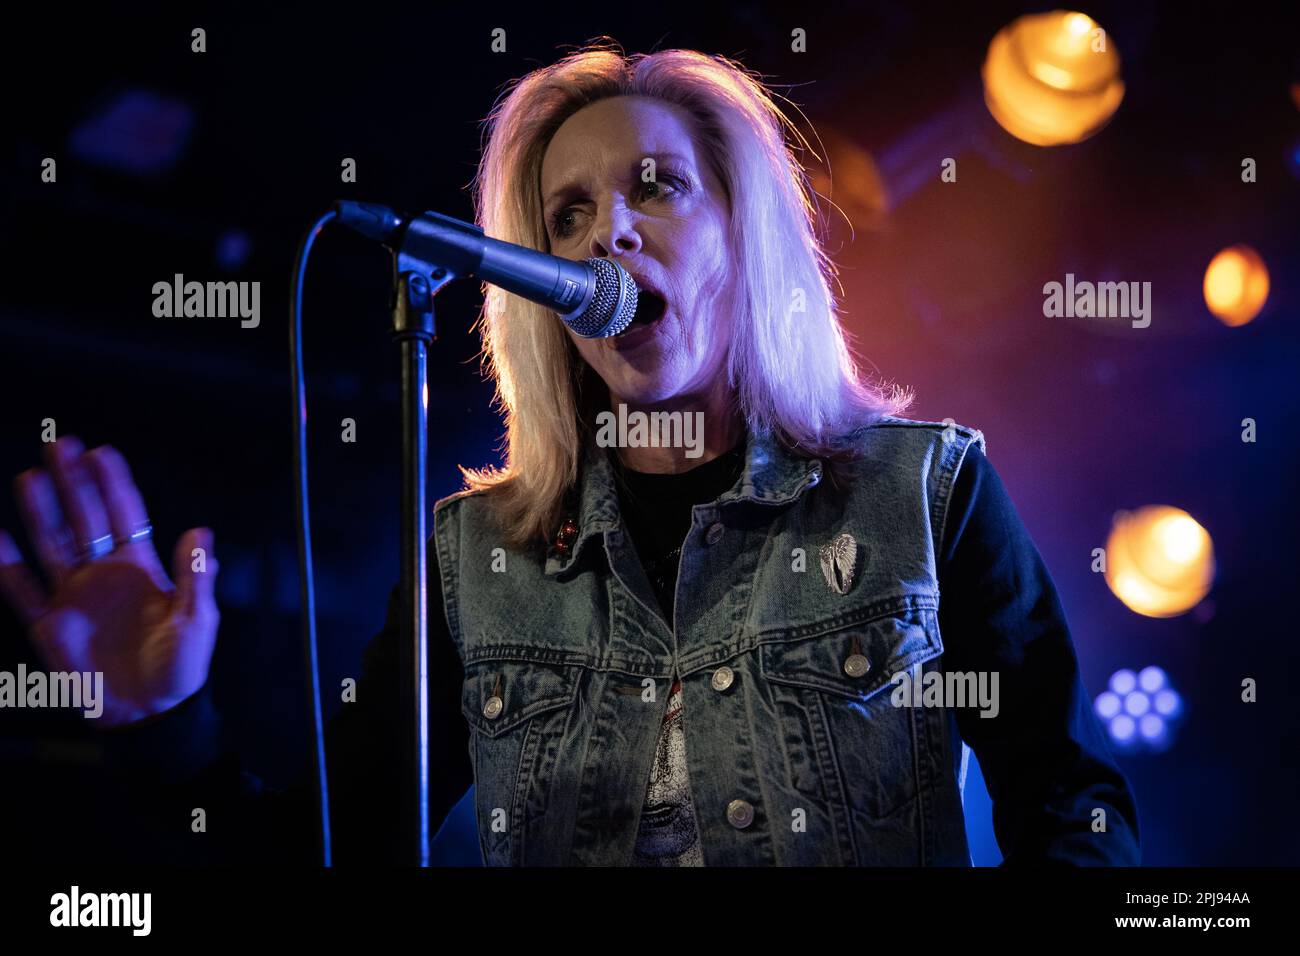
[[1159, 561], [1052, 78], [1236, 285]]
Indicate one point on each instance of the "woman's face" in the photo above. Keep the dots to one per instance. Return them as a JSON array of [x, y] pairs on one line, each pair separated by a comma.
[[671, 234]]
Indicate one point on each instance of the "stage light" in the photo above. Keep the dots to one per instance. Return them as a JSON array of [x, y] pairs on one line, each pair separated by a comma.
[[1052, 78], [1168, 703], [858, 188], [233, 249], [1151, 727], [1236, 285], [1159, 561], [1134, 716], [1121, 728], [1107, 705], [137, 131], [1151, 679], [1122, 682], [1137, 703]]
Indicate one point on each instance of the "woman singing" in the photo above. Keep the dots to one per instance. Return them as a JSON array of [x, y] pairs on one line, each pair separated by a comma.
[[766, 639]]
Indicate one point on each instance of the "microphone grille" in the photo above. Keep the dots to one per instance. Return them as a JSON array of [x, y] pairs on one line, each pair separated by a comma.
[[612, 305]]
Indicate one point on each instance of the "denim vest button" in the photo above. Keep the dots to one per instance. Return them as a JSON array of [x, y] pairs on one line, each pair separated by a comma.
[[723, 677], [856, 665], [740, 814], [493, 707], [714, 534]]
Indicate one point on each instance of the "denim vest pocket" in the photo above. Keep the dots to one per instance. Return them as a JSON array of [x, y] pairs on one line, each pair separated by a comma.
[[838, 720], [517, 709], [523, 688]]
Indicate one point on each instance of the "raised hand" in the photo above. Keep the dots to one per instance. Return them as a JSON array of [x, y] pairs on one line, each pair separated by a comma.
[[109, 606]]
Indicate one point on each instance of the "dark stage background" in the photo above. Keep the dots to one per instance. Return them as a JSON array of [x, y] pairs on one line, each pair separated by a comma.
[[213, 164]]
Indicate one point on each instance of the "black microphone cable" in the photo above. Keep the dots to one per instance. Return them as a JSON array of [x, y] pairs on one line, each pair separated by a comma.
[[307, 582]]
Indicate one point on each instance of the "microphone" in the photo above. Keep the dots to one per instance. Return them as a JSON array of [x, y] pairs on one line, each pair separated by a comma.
[[596, 298]]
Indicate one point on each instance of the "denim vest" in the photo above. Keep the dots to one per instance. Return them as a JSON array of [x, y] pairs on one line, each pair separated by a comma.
[[795, 753]]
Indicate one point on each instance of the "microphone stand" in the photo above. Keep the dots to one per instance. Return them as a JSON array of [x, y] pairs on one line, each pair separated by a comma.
[[598, 287], [413, 330]]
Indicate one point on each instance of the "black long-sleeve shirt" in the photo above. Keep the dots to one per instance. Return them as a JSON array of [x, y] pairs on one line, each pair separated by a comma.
[[1045, 761]]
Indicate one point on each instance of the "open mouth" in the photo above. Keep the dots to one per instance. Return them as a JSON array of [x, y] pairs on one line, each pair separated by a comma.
[[650, 308]]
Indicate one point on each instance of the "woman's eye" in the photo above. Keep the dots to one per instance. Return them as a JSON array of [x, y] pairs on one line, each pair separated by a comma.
[[561, 223], [663, 187]]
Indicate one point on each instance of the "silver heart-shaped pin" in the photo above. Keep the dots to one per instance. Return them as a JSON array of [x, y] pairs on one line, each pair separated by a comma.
[[839, 559]]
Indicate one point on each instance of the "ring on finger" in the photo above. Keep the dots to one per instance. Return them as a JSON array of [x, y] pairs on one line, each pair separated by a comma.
[[143, 532], [94, 549]]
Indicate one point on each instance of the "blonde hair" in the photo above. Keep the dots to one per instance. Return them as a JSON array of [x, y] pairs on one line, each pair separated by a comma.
[[789, 365]]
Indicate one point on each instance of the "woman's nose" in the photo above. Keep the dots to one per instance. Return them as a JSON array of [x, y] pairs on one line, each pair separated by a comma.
[[615, 234]]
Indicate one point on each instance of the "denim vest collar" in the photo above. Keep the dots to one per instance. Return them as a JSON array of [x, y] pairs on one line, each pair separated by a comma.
[[771, 476]]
